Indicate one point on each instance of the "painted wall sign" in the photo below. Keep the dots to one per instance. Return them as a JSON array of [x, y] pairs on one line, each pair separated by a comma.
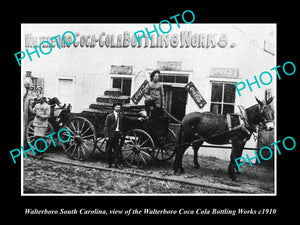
[[184, 39], [224, 72], [169, 65], [195, 94], [121, 69], [138, 95]]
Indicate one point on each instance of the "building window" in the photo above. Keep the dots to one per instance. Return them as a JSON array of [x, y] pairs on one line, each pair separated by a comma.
[[222, 97], [38, 82], [123, 83], [169, 78]]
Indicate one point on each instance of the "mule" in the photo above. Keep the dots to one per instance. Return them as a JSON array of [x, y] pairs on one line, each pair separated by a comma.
[[213, 128]]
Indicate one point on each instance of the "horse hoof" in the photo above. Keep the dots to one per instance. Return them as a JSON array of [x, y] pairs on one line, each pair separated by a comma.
[[234, 179], [237, 171], [197, 166], [176, 173]]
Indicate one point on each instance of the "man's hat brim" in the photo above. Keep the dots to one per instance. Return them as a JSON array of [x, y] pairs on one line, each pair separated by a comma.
[[117, 103]]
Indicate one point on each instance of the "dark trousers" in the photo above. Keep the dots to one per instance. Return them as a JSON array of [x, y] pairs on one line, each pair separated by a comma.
[[155, 113], [152, 110], [40, 145], [114, 148]]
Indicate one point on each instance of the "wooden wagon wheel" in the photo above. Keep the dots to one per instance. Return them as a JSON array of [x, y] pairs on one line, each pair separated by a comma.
[[165, 149], [138, 148], [29, 135], [101, 144], [83, 140]]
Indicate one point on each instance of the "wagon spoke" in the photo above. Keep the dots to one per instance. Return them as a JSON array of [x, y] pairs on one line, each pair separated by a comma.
[[144, 142], [76, 146], [87, 147], [31, 139], [83, 147], [146, 153], [132, 158], [71, 142], [143, 159], [77, 126], [128, 155], [126, 149], [83, 151], [145, 148], [70, 147], [82, 125], [88, 136], [139, 140], [67, 135], [70, 130], [86, 131], [73, 126], [78, 151]]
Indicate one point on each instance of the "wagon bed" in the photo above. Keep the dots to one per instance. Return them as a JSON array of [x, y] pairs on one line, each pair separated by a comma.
[[144, 141]]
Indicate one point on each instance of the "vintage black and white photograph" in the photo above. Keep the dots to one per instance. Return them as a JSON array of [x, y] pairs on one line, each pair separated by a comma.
[[144, 109]]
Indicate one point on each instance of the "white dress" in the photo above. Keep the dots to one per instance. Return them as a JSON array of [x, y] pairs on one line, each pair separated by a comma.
[[40, 121]]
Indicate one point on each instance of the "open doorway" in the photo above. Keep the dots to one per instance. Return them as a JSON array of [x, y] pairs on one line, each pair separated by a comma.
[[176, 99], [174, 83]]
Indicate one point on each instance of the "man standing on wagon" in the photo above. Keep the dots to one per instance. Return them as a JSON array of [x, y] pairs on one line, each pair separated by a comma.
[[154, 96], [114, 125]]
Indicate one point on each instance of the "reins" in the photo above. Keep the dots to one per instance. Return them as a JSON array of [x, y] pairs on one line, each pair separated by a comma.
[[178, 121]]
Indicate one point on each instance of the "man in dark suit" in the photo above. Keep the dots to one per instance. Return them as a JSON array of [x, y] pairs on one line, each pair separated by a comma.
[[113, 131]]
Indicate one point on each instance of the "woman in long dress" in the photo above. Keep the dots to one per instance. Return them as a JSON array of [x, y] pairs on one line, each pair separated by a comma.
[[40, 122]]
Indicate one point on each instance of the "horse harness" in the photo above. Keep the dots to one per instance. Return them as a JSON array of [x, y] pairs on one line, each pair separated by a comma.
[[243, 120], [247, 127], [244, 125]]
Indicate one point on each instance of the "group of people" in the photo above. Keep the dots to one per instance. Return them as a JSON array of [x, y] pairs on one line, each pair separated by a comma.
[[154, 104], [43, 107]]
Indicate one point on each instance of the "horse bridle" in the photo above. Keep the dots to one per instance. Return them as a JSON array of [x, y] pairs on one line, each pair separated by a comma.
[[264, 120]]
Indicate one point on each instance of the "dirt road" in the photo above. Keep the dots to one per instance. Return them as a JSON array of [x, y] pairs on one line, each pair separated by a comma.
[[69, 176]]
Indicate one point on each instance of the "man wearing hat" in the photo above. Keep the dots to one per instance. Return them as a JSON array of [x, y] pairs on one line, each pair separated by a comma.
[[113, 131]]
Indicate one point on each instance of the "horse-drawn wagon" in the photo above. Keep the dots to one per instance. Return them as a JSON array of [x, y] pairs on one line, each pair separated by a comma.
[[145, 141], [152, 139]]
